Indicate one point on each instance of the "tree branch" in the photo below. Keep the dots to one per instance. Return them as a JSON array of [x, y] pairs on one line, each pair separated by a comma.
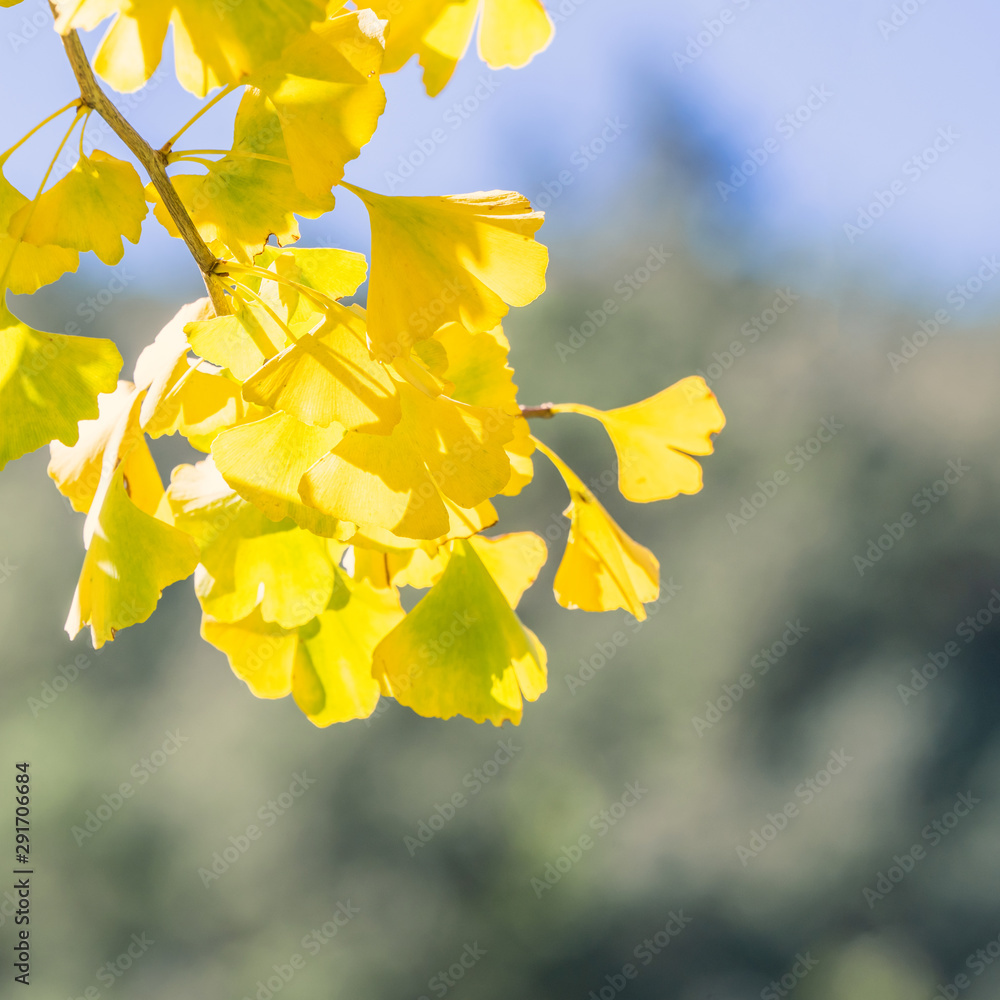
[[154, 162]]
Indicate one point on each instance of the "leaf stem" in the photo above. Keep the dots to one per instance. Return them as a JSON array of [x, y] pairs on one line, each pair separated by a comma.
[[94, 97], [39, 126], [543, 411], [169, 144], [241, 290], [185, 154]]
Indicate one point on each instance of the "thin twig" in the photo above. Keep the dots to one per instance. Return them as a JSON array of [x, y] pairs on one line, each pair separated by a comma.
[[154, 162]]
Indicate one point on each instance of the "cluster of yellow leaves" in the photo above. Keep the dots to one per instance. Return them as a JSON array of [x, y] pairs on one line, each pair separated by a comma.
[[348, 452]]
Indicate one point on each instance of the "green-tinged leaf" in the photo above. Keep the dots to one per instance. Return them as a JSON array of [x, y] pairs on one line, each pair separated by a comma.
[[131, 558], [97, 203], [248, 195], [48, 383], [214, 43], [27, 268], [462, 650]]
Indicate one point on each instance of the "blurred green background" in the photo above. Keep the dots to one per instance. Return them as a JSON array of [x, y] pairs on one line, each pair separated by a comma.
[[746, 903]]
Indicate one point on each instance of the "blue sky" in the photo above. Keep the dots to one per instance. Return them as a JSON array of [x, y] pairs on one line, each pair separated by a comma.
[[887, 80]]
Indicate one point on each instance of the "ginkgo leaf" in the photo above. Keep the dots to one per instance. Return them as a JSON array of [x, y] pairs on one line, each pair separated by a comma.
[[131, 558], [333, 679], [476, 365], [25, 268], [440, 448], [48, 383], [248, 195], [260, 653], [76, 469], [462, 650], [325, 89], [97, 203], [325, 664], [656, 438], [335, 273], [214, 44], [511, 33], [514, 561], [602, 568], [329, 377], [234, 342], [249, 560], [264, 462], [461, 258]]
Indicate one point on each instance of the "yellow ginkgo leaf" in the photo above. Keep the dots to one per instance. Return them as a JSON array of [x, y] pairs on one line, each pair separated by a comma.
[[97, 203], [514, 561], [264, 462], [325, 89], [214, 44], [462, 650], [76, 469], [333, 679], [439, 449], [24, 268], [476, 365], [325, 664], [335, 273], [329, 377], [461, 258], [131, 558], [240, 342], [262, 654], [248, 559], [602, 568], [511, 33], [249, 194], [656, 438], [48, 383]]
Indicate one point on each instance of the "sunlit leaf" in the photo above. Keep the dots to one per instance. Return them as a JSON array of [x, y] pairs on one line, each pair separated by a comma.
[[461, 258], [656, 438], [462, 650], [97, 203], [214, 43], [602, 568], [48, 383]]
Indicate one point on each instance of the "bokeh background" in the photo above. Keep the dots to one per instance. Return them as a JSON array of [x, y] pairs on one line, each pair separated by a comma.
[[886, 80]]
